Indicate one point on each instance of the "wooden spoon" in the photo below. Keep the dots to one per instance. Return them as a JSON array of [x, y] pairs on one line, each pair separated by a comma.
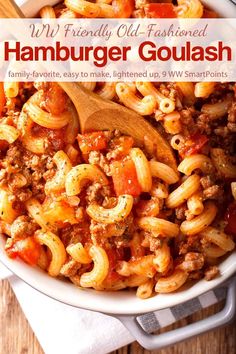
[[96, 113]]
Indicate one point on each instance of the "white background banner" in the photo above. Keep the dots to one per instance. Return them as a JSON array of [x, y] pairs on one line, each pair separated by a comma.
[[118, 50]]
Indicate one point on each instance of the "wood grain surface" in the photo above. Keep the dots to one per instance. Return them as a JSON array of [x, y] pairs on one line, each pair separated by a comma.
[[16, 336]]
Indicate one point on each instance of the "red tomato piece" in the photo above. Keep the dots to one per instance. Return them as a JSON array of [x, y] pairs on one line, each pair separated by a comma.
[[92, 141], [209, 14], [27, 249], [3, 145], [122, 145], [55, 99], [147, 208], [160, 11], [230, 218], [125, 179], [2, 98], [193, 145], [114, 255], [55, 137]]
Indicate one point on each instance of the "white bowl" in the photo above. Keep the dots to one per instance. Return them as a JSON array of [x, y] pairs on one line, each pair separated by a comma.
[[122, 302]]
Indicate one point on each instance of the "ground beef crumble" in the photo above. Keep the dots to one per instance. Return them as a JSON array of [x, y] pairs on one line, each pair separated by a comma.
[[211, 272], [35, 169], [23, 226], [97, 158], [70, 268]]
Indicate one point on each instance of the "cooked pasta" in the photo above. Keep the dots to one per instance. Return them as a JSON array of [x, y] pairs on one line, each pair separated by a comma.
[[144, 290], [172, 123], [222, 163], [193, 162], [165, 104], [97, 209], [164, 172], [172, 282], [8, 133], [45, 119], [79, 175], [145, 106], [79, 253], [142, 169], [57, 183], [214, 251], [187, 89], [162, 258], [57, 249], [34, 209], [183, 192], [107, 91], [200, 222], [47, 12], [217, 110], [100, 268], [190, 9], [195, 204], [219, 238], [233, 188], [113, 215], [158, 226], [140, 266], [11, 89], [204, 89], [7, 212], [84, 8]]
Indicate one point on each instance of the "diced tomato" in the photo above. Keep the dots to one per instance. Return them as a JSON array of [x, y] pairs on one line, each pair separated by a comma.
[[56, 137], [125, 178], [92, 141], [209, 14], [193, 145], [3, 145], [27, 249], [230, 218], [2, 98], [55, 99], [58, 212], [147, 208], [114, 255], [122, 145], [160, 11]]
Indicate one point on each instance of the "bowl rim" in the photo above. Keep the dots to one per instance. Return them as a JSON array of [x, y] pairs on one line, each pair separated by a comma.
[[101, 301], [122, 302]]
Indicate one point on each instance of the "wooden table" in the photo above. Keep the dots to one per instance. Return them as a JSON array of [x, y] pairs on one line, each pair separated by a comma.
[[16, 336]]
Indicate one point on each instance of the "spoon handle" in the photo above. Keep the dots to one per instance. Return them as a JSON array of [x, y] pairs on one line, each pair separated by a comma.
[[75, 91], [86, 102], [8, 9]]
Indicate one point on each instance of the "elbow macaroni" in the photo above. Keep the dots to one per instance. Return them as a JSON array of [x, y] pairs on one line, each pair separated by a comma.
[[57, 249], [142, 169], [100, 268], [183, 192], [80, 174], [158, 226], [8, 133], [193, 162], [111, 216], [57, 183], [200, 222], [145, 106]]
